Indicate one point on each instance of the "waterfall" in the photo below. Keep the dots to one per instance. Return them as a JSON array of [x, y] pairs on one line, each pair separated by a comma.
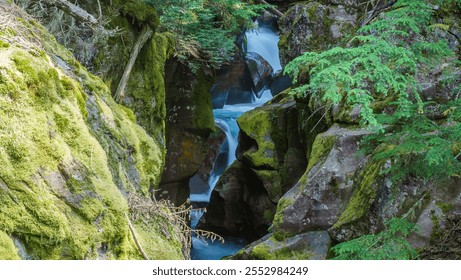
[[262, 41]]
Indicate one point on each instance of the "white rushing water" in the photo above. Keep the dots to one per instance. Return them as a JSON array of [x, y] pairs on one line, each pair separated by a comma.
[[264, 42]]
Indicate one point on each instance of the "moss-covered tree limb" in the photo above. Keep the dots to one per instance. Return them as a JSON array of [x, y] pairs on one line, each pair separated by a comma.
[[145, 35], [73, 10]]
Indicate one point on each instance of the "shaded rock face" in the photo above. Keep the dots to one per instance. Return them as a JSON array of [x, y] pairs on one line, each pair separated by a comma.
[[271, 159], [189, 124], [233, 84], [269, 144], [314, 27], [260, 70], [279, 83], [238, 205]]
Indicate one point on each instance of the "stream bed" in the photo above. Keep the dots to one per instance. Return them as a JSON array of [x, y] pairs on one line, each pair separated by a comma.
[[263, 41]]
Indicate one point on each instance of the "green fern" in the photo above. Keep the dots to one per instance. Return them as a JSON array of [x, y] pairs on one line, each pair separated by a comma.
[[389, 244]]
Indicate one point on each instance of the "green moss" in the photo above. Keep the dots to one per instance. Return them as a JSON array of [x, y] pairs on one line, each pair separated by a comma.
[[57, 189], [274, 249], [8, 250], [364, 194], [290, 254], [203, 109], [283, 204], [157, 244], [257, 124], [4, 44], [268, 215], [272, 183], [445, 207], [147, 85], [320, 149], [141, 12], [276, 228], [261, 252]]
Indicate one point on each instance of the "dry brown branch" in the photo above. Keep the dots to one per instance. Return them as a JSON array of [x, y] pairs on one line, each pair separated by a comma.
[[166, 216], [133, 232]]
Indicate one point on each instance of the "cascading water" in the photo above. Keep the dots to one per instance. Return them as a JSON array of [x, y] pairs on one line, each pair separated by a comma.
[[263, 41]]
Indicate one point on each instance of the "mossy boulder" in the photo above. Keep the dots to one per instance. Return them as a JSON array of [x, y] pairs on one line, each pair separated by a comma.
[[313, 26], [322, 193], [271, 158], [270, 144], [307, 246], [69, 155], [8, 250]]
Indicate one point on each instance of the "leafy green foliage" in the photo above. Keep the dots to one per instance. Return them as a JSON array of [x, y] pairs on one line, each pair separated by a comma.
[[422, 147], [378, 72], [204, 29], [382, 61], [389, 244]]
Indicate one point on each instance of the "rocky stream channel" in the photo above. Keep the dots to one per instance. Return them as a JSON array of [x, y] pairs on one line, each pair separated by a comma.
[[261, 55]]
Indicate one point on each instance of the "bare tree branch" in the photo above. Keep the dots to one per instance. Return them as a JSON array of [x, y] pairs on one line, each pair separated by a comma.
[[379, 8], [133, 232], [73, 10]]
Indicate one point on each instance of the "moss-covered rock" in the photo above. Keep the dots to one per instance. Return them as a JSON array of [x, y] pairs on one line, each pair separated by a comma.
[[8, 250], [146, 86], [189, 128], [64, 147], [270, 144], [257, 125], [320, 196], [307, 246], [313, 26]]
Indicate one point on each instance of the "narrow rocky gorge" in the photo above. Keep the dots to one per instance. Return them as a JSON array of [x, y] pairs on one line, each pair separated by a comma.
[[280, 172]]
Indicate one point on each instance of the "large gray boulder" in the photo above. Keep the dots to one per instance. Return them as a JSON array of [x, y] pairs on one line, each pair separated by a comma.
[[320, 196], [313, 26]]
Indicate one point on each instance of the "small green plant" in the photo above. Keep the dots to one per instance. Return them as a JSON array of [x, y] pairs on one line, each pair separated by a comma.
[[390, 244]]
